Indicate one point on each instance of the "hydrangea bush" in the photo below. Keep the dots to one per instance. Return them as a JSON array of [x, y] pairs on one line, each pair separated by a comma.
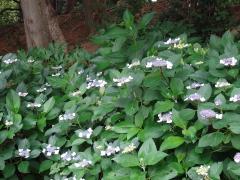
[[142, 107]]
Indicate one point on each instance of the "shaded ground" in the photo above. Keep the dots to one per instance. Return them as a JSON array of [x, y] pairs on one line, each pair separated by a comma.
[[12, 37]]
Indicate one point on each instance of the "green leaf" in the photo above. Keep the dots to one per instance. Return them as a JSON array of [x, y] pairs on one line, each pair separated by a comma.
[[171, 142], [216, 170], [48, 105], [45, 165], [212, 139], [177, 86], [235, 140], [41, 123], [205, 91], [128, 19], [9, 170], [162, 106], [146, 19], [148, 153], [23, 167], [127, 160], [13, 101]]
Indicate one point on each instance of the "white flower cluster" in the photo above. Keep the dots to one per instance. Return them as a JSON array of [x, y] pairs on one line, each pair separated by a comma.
[[166, 117], [76, 93], [232, 61], [49, 150], [57, 67], [34, 105], [25, 153], [56, 74], [96, 83], [203, 170], [237, 157], [22, 94], [108, 127], [159, 62], [235, 98], [10, 61], [133, 64], [129, 148], [110, 150], [195, 97], [42, 89], [80, 72], [180, 45], [222, 83], [69, 156], [82, 164], [210, 114], [67, 116], [85, 134], [122, 80], [172, 41], [195, 85], [8, 123], [31, 61], [71, 178]]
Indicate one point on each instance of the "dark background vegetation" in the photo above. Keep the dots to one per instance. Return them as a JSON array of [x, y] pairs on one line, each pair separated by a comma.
[[203, 17]]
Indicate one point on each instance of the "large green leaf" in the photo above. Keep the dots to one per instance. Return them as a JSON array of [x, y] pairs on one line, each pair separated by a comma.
[[171, 142]]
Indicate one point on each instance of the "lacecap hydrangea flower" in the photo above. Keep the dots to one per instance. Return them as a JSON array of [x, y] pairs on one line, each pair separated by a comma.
[[235, 98], [67, 116], [122, 80], [50, 150], [222, 83], [110, 150], [210, 114], [195, 97], [237, 157], [96, 83], [85, 134], [159, 62], [231, 61], [203, 170], [22, 94], [195, 85], [166, 117], [34, 105], [25, 153], [82, 164], [68, 156]]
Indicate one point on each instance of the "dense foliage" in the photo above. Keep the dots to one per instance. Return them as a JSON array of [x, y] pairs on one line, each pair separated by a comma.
[[142, 107]]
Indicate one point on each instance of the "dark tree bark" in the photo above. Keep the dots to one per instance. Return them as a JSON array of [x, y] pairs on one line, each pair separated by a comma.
[[40, 23]]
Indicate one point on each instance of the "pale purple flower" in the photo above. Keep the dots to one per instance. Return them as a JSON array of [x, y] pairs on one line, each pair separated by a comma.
[[218, 102], [209, 114], [195, 85], [195, 97], [25, 153], [235, 98], [82, 164], [159, 62], [111, 149], [237, 157], [68, 156], [166, 117], [222, 83], [232, 61], [96, 83], [67, 116], [85, 134], [22, 94], [123, 80], [49, 150]]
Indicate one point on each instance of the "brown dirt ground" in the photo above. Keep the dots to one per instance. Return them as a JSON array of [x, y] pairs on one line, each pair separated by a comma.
[[75, 31]]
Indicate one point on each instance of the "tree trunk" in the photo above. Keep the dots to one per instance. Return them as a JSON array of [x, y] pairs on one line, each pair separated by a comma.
[[40, 23]]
